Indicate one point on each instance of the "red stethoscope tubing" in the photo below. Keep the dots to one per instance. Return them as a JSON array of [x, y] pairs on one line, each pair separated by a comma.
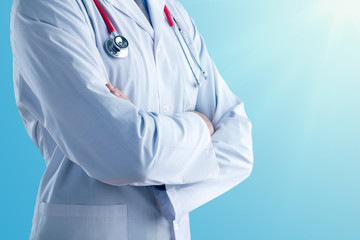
[[105, 18], [168, 16], [110, 27]]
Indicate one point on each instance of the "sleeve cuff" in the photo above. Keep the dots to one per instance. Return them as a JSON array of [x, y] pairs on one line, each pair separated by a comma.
[[196, 123]]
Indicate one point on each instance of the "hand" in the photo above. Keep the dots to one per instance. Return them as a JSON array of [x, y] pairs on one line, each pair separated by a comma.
[[207, 121], [117, 92]]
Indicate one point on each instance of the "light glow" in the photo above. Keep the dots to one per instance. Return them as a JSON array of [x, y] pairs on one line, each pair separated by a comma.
[[340, 10]]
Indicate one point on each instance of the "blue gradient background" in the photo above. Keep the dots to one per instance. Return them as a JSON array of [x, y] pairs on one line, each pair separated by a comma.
[[298, 74]]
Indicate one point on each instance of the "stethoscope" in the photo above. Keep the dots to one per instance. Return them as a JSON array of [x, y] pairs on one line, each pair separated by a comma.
[[118, 46]]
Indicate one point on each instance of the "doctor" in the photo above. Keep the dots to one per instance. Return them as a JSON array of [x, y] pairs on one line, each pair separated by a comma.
[[127, 142]]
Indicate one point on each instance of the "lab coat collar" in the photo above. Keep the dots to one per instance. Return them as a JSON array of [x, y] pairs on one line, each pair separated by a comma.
[[156, 12], [157, 15]]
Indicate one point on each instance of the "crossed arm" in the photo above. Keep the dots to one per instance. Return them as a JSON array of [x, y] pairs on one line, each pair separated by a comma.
[[118, 93]]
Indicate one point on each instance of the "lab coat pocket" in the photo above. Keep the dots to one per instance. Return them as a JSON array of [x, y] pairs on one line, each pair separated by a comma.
[[67, 222], [190, 86]]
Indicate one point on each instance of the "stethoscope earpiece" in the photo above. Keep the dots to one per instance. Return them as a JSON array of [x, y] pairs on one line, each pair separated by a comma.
[[117, 46], [204, 74]]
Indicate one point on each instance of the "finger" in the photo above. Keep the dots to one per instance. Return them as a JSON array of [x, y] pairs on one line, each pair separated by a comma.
[[116, 93], [109, 86], [113, 88]]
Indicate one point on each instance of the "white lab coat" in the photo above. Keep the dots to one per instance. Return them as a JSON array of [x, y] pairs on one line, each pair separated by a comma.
[[104, 154]]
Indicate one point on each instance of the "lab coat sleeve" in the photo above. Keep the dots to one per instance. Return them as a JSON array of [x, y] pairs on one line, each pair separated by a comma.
[[109, 138], [232, 141]]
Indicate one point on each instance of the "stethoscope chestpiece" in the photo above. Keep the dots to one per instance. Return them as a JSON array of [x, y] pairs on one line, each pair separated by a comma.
[[117, 46]]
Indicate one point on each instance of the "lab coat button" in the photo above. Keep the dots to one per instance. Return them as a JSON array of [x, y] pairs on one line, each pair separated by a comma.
[[166, 108], [176, 226]]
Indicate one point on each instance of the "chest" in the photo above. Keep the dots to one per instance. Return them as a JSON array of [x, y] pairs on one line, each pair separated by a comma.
[[155, 75]]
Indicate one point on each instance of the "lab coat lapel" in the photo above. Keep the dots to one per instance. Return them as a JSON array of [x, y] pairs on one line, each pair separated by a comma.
[[132, 10], [157, 16]]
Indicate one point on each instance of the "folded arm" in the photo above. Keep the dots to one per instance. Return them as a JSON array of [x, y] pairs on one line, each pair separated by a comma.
[[56, 59]]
